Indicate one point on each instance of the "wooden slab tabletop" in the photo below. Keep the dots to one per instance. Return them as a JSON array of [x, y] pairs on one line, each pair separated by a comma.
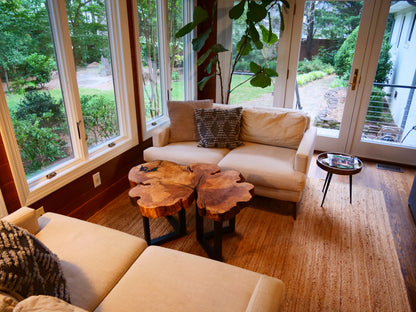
[[162, 188]]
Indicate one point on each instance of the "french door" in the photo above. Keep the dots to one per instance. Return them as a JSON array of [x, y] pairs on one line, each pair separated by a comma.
[[342, 104]]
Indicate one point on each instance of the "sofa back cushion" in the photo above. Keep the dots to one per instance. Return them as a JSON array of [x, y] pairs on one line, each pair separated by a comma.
[[277, 127], [182, 124]]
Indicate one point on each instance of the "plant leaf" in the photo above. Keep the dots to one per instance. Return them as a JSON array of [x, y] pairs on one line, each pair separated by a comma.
[[203, 81], [199, 15], [271, 72], [212, 62], [237, 10], [282, 21], [255, 68], [259, 45], [256, 12], [218, 48], [261, 80], [265, 35], [244, 45], [203, 57], [185, 29], [252, 30], [199, 41]]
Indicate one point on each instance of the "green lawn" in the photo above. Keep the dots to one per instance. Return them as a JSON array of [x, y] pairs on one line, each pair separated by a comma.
[[14, 99]]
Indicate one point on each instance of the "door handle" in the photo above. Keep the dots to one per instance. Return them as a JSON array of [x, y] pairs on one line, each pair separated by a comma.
[[354, 80]]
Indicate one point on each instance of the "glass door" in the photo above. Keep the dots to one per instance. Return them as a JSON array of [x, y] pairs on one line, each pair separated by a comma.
[[323, 78], [386, 121]]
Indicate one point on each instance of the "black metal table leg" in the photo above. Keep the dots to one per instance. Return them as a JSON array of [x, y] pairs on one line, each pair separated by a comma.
[[350, 189], [179, 227], [146, 228], [217, 240], [214, 251], [326, 181], [326, 187]]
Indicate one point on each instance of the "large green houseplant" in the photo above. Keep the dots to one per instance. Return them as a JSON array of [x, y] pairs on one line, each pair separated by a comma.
[[253, 38]]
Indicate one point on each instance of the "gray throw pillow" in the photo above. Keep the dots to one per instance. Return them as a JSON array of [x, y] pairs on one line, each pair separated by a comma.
[[219, 127], [27, 266]]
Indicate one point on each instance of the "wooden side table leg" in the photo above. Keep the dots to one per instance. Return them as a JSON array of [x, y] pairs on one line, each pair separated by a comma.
[[350, 189], [326, 187], [146, 228], [218, 240]]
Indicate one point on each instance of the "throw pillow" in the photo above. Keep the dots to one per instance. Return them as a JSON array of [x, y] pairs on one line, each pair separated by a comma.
[[45, 304], [277, 128], [219, 127], [27, 266], [182, 124]]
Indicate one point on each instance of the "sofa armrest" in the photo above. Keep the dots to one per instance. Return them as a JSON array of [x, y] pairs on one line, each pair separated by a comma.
[[267, 295], [305, 150], [26, 218], [161, 136]]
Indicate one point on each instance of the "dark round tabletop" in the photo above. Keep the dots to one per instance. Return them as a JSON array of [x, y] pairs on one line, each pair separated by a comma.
[[320, 161]]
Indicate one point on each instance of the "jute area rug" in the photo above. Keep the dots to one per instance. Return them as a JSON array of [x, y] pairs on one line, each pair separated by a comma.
[[337, 258], [341, 257]]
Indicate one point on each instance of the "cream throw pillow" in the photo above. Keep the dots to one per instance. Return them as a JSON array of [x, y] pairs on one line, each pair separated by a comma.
[[182, 123], [283, 129]]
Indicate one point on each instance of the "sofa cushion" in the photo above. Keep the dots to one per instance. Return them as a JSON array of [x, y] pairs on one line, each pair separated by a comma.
[[7, 302], [219, 127], [181, 115], [93, 257], [185, 153], [45, 304], [265, 165], [275, 128], [185, 282], [27, 266]]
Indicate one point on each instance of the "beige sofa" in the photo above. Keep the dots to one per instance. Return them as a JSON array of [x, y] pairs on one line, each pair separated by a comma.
[[275, 157], [108, 270]]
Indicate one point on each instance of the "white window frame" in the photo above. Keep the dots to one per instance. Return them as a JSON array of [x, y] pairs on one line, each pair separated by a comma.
[[190, 71], [37, 187]]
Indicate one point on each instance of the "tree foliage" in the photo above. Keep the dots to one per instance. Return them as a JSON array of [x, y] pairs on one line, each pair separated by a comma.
[[344, 57]]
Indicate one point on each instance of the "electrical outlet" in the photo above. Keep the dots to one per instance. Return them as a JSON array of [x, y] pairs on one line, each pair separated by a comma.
[[96, 179], [40, 211]]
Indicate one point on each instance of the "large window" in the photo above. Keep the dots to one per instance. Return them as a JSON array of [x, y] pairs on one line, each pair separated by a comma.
[[166, 61], [66, 101]]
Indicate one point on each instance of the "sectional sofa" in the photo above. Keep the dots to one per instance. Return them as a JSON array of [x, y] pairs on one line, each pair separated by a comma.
[[108, 270], [274, 151]]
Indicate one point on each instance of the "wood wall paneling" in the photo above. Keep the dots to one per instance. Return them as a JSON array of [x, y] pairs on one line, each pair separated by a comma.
[[209, 90]]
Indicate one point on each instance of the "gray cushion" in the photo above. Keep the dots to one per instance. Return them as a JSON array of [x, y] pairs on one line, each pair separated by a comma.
[[219, 127], [27, 266]]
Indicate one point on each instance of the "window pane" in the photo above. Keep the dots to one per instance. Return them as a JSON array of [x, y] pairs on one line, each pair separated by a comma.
[[175, 17], [32, 86], [89, 36], [149, 42]]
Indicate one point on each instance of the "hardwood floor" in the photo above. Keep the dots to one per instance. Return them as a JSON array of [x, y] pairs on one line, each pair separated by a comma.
[[121, 214]]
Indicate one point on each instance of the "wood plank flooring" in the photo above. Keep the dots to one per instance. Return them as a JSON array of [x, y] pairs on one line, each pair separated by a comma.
[[122, 215]]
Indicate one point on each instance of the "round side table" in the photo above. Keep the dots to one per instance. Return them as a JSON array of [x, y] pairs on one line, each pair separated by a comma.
[[323, 162]]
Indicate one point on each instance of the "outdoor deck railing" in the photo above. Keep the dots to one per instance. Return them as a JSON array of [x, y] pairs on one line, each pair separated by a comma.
[[380, 124]]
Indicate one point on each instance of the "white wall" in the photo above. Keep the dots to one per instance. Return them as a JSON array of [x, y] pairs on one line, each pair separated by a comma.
[[403, 55]]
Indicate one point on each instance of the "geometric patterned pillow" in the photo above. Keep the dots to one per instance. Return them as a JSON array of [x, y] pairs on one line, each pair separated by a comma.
[[219, 127], [27, 266]]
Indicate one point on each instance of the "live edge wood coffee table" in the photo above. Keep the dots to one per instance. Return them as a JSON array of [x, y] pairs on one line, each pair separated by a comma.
[[163, 188]]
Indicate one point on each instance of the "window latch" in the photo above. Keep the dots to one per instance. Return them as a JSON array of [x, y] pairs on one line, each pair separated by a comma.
[[79, 132]]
